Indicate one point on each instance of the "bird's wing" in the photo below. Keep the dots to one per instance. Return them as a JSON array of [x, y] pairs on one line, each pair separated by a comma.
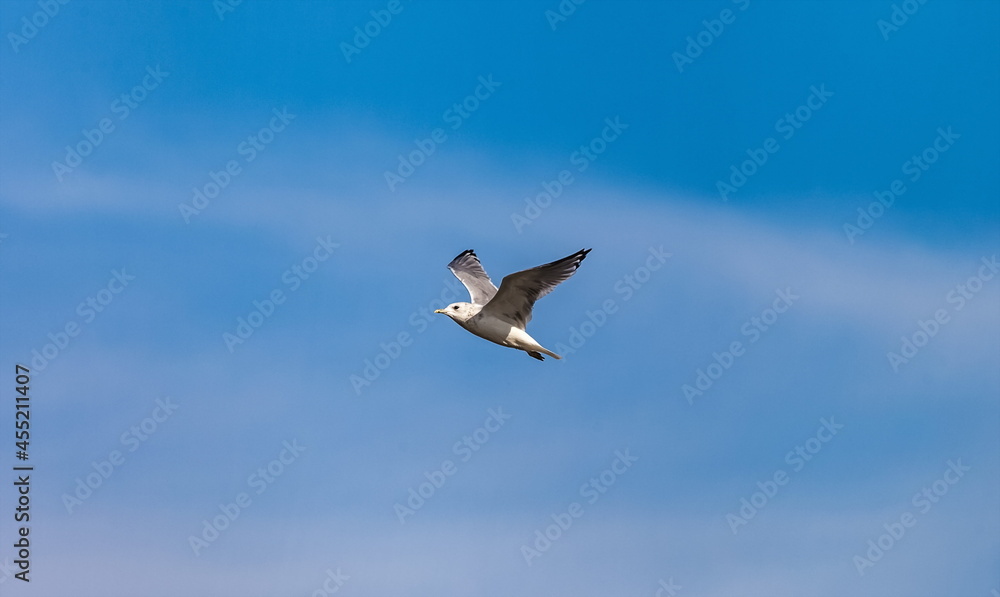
[[518, 292], [470, 272]]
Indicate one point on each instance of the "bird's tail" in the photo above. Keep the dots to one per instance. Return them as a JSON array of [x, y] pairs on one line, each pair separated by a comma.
[[549, 352]]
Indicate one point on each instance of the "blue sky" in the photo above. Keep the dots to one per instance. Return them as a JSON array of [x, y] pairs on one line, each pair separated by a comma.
[[730, 418]]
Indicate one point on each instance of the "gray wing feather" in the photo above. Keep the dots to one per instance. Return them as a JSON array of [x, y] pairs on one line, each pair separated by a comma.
[[519, 291], [470, 272]]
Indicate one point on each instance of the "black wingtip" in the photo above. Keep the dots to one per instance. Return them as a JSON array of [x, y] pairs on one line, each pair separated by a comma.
[[464, 253], [580, 255], [576, 259]]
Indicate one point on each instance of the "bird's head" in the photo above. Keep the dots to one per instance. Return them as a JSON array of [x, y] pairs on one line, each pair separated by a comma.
[[459, 311]]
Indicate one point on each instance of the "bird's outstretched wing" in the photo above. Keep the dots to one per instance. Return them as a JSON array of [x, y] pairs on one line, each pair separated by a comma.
[[470, 272], [519, 291]]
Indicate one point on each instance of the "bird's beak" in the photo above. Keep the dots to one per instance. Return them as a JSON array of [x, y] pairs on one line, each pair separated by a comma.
[[441, 311]]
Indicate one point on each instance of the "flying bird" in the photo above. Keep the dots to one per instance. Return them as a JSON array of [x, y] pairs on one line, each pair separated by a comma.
[[500, 315]]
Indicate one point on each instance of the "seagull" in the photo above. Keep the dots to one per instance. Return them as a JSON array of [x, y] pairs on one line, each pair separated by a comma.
[[500, 315]]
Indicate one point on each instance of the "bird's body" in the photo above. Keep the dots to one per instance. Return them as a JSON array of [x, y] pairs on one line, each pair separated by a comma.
[[501, 332], [501, 315]]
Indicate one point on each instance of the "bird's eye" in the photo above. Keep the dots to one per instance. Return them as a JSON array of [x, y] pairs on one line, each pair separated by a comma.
[[455, 307]]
